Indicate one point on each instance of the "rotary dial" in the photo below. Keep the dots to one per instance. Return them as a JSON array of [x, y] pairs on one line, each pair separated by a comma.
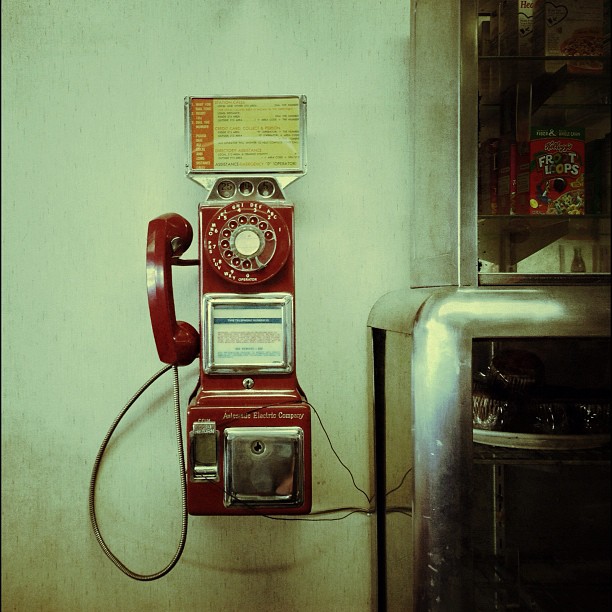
[[247, 242]]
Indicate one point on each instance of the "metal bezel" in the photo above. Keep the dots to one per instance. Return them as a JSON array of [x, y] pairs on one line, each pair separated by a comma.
[[237, 438], [212, 364], [275, 196]]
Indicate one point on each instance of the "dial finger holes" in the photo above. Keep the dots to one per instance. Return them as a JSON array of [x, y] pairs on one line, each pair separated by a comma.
[[247, 239]]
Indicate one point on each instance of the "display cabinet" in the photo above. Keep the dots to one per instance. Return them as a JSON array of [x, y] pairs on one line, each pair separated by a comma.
[[478, 167], [543, 143], [491, 371]]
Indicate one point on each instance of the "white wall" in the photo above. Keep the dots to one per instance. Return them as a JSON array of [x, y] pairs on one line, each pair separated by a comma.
[[92, 145]]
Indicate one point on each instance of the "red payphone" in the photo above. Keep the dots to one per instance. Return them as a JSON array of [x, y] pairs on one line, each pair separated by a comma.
[[248, 426]]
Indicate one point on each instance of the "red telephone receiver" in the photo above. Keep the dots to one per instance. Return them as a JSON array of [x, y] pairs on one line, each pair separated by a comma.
[[168, 237]]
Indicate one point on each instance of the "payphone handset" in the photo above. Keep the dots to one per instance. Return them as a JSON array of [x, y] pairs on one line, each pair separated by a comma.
[[248, 426], [169, 236]]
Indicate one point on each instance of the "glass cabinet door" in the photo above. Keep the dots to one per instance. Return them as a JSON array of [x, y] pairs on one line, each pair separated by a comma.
[[541, 505], [543, 142]]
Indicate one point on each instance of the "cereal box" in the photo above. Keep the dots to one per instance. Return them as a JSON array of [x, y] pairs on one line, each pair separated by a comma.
[[515, 27], [569, 28], [515, 31], [487, 177], [513, 178], [606, 29], [556, 171]]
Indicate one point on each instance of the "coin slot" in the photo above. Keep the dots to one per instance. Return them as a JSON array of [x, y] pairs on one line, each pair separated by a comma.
[[204, 450], [226, 189], [246, 188], [265, 189]]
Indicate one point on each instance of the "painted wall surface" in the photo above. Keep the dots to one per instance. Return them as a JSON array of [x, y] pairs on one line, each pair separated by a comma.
[[92, 149]]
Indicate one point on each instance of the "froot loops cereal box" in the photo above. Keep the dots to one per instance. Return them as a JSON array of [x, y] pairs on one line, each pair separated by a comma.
[[556, 171]]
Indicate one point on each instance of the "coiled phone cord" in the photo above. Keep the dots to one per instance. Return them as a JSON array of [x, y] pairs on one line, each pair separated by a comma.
[[94, 474]]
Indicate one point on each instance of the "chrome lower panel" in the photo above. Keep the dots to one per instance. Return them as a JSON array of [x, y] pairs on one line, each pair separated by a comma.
[[439, 326]]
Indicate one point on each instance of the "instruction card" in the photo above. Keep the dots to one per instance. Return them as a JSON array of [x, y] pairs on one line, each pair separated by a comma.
[[246, 134]]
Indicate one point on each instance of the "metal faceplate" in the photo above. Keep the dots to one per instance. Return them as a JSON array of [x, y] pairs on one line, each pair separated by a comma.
[[236, 187], [204, 458], [247, 334], [249, 457], [264, 466]]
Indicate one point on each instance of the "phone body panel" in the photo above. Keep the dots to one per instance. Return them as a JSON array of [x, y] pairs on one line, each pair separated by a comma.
[[248, 427]]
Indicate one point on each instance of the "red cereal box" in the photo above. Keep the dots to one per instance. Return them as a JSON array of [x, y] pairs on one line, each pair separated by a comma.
[[556, 171], [487, 177], [513, 178]]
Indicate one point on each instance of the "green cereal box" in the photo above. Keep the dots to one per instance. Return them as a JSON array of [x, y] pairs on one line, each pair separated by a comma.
[[556, 171]]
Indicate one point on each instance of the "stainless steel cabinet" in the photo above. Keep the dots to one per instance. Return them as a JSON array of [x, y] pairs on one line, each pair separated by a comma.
[[517, 517]]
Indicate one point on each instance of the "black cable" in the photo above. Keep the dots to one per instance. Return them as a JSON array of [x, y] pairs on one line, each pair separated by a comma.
[[401, 482], [307, 403], [96, 467], [368, 497]]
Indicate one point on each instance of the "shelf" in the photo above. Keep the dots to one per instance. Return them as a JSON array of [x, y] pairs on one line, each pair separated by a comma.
[[485, 454], [500, 78], [505, 241], [513, 278]]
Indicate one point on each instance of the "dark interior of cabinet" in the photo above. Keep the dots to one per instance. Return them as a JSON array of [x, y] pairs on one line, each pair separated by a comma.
[[541, 518], [553, 552], [517, 92]]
